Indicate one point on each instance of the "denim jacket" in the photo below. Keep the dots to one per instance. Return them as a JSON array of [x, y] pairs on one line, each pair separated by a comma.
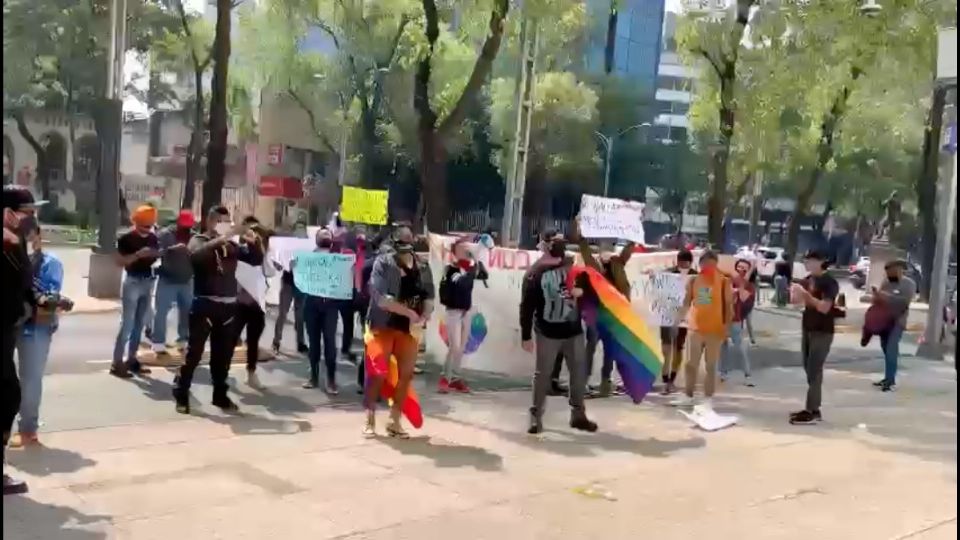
[[47, 280], [385, 282]]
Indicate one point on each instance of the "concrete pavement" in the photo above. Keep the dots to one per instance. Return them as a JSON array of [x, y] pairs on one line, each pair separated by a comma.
[[120, 464]]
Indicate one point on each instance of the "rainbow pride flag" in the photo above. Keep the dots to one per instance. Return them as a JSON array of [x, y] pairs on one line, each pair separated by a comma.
[[625, 335], [378, 365]]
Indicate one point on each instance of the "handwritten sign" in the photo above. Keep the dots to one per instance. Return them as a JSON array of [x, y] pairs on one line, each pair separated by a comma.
[[364, 205], [602, 217], [284, 249], [327, 275], [665, 293]]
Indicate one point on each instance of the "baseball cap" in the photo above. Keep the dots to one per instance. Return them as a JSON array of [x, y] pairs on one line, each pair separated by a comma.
[[19, 198], [896, 263], [185, 219]]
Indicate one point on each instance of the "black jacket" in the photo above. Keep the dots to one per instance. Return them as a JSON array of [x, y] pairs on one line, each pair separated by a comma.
[[546, 303], [17, 278], [456, 285], [214, 269]]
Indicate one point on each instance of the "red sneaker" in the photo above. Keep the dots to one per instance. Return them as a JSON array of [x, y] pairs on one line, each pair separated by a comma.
[[460, 386], [444, 386]]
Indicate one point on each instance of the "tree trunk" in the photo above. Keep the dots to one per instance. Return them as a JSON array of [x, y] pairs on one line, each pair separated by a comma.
[[433, 154], [43, 163], [825, 152], [926, 187], [609, 51], [717, 202], [217, 147]]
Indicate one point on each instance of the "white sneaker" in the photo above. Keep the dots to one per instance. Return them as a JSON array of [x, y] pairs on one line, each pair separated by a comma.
[[683, 401], [253, 381]]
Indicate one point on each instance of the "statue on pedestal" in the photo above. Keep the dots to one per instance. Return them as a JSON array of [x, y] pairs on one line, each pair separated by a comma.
[[891, 214]]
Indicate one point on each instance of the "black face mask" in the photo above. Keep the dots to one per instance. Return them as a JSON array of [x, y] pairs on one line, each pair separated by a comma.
[[27, 225], [893, 279], [325, 243], [558, 248]]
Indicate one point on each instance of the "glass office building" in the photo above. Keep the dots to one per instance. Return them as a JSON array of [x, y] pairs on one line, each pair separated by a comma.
[[638, 40]]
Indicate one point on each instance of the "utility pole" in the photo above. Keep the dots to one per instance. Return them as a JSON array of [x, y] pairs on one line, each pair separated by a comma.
[[755, 203], [947, 197], [105, 275], [517, 178]]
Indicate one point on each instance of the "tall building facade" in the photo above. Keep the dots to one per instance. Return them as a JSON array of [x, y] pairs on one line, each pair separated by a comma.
[[637, 45], [674, 86]]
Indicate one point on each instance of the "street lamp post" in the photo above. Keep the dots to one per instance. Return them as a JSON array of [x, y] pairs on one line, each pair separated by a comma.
[[608, 142]]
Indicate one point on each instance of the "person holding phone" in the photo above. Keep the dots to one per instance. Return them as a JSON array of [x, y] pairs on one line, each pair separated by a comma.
[[33, 346], [137, 250], [215, 254]]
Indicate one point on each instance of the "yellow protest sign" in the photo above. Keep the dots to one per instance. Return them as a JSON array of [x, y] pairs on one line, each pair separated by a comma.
[[364, 205]]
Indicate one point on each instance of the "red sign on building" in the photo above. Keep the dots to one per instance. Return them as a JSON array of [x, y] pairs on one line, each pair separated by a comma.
[[286, 187]]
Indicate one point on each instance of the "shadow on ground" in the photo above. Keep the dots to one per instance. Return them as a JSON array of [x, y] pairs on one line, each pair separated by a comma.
[[25, 518]]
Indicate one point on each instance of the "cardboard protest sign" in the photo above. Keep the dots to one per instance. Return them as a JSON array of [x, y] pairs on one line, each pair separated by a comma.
[[665, 293], [603, 217], [284, 249], [327, 275], [364, 205]]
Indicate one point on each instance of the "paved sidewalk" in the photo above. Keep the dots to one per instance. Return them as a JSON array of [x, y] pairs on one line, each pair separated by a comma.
[[120, 464]]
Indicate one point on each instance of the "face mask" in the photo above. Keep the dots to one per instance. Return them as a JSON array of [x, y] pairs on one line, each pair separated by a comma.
[[558, 248], [223, 228], [325, 243], [30, 249], [708, 270]]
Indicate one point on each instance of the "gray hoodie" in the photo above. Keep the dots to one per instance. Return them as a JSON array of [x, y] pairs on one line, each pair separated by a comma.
[[897, 296]]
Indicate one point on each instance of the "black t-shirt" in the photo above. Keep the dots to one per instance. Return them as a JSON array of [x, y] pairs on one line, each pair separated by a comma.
[[822, 288], [132, 242], [783, 268], [411, 296]]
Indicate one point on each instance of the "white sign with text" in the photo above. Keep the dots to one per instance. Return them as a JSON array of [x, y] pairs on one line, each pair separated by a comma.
[[665, 293], [603, 217]]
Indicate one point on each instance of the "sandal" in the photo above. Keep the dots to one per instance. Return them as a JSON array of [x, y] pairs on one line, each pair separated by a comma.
[[396, 431]]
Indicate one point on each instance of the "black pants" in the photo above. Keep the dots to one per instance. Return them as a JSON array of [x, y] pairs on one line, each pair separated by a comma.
[[213, 320], [289, 294], [251, 317], [11, 383], [320, 317], [349, 311]]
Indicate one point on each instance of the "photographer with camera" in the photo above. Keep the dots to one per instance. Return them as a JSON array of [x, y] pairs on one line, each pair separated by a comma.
[[33, 344]]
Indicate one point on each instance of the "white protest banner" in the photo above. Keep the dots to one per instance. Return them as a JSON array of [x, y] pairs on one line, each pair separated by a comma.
[[602, 217], [327, 275], [664, 293], [284, 249], [253, 281], [499, 302]]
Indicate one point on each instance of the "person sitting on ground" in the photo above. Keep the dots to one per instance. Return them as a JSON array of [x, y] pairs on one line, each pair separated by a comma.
[[456, 295]]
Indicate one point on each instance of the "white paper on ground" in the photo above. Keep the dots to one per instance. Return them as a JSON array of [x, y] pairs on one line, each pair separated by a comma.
[[707, 419]]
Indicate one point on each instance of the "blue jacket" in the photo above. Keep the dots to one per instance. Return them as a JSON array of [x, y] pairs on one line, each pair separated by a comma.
[[47, 280]]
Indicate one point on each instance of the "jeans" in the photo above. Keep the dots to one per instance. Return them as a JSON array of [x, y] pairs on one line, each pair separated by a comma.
[[251, 317], [548, 350], [890, 344], [815, 346], [320, 316], [736, 344], [135, 302], [781, 288], [458, 332], [168, 293], [606, 369], [213, 320], [289, 294], [33, 349]]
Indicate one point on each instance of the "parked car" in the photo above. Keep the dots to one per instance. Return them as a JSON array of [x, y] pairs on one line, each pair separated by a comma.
[[767, 259], [861, 271]]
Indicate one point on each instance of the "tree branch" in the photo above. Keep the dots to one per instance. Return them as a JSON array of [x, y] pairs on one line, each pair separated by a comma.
[[481, 69], [24, 132], [313, 122], [713, 63]]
